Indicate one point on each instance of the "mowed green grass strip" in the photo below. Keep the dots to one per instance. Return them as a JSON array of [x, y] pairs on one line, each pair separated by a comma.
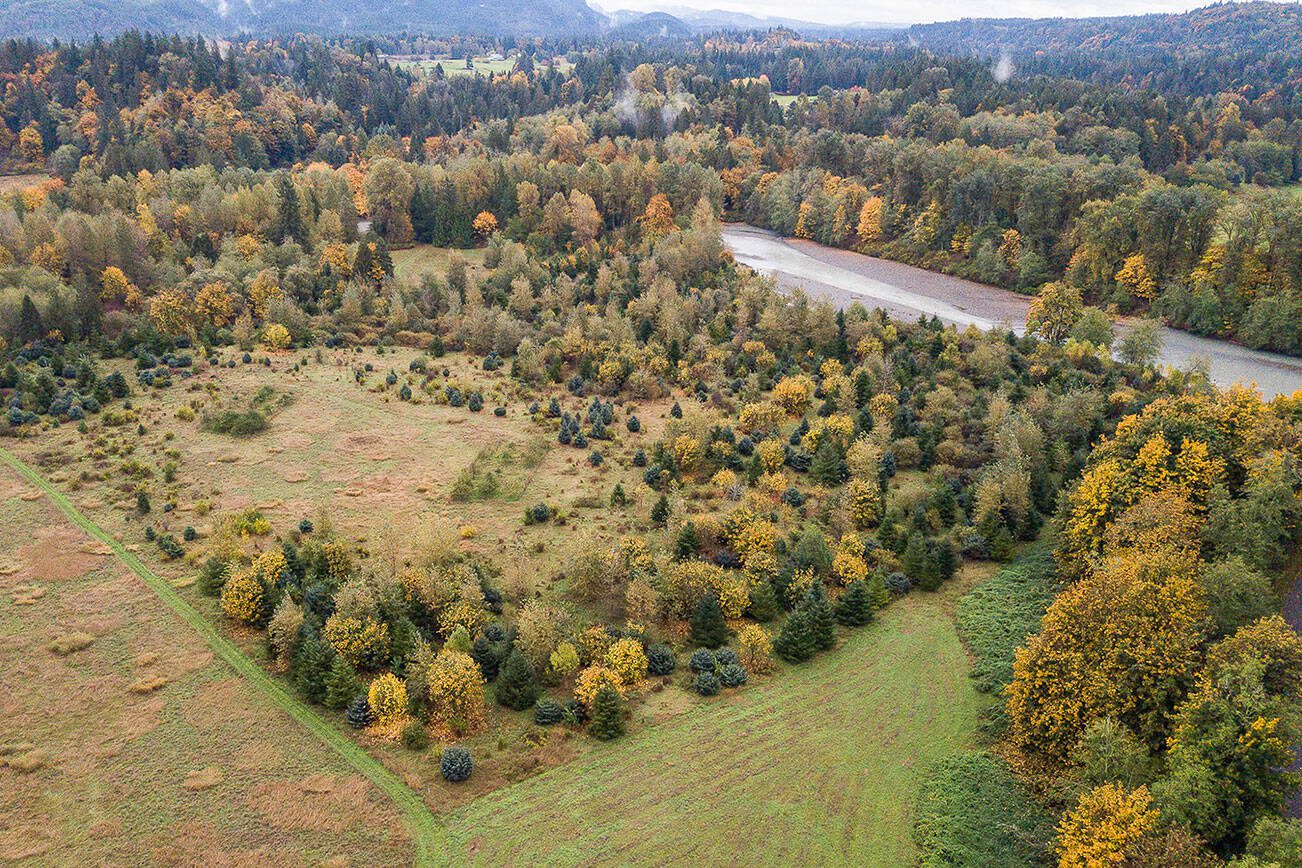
[[428, 836], [817, 766]]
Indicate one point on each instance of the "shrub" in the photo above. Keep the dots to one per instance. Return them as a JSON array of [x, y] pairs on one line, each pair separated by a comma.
[[726, 657], [359, 714], [548, 712], [455, 764], [660, 659], [170, 548], [898, 584], [627, 660], [590, 682], [236, 424], [703, 660], [756, 648], [415, 736], [706, 683], [475, 402], [189, 534], [244, 599], [633, 424], [660, 512], [142, 503], [387, 698], [972, 810], [732, 675]]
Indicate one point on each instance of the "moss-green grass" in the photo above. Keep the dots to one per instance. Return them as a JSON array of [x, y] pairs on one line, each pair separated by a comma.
[[412, 262], [817, 766]]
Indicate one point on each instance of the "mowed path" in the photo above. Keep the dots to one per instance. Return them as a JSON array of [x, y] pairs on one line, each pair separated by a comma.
[[425, 829], [819, 765]]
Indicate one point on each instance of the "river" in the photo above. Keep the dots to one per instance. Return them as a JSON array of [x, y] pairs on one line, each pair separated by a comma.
[[844, 277]]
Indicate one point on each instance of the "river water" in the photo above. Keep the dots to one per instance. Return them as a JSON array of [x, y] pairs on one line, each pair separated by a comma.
[[844, 277]]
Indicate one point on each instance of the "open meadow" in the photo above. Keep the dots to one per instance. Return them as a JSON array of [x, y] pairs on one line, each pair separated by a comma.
[[126, 741], [406, 477]]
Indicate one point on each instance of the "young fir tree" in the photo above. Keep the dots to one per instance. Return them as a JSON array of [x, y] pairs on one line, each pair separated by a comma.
[[310, 665], [660, 512], [517, 686], [827, 466], [795, 641], [607, 714], [855, 608], [341, 684], [763, 605], [708, 628], [687, 544], [485, 655], [822, 623]]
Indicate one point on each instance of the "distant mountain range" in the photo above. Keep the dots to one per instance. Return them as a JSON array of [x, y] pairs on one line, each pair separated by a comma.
[[707, 20]]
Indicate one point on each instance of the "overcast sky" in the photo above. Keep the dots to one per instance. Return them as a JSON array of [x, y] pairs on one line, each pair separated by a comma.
[[912, 11]]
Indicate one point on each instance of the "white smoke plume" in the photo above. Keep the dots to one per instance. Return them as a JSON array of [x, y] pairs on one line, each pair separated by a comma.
[[1003, 68]]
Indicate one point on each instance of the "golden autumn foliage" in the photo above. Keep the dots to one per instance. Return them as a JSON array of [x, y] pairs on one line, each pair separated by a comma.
[[276, 337], [214, 303], [1136, 277], [1124, 642], [658, 218], [360, 641], [1104, 825], [388, 699], [243, 597], [170, 312], [863, 503], [627, 660], [755, 648], [113, 284], [484, 224], [590, 682], [688, 581], [456, 690], [793, 393]]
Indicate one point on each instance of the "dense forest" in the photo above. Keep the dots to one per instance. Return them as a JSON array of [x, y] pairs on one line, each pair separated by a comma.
[[784, 472]]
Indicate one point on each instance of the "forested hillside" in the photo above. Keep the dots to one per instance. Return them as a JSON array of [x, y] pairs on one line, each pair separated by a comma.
[[81, 20], [414, 374]]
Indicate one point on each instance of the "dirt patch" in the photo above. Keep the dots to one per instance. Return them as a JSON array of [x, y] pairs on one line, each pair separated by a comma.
[[203, 779]]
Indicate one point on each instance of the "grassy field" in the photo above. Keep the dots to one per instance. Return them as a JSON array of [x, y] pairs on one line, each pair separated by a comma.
[[785, 99], [412, 262], [825, 757], [482, 65], [817, 766], [10, 184], [126, 740]]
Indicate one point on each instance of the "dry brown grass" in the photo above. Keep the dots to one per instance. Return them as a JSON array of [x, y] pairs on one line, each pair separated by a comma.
[[129, 754]]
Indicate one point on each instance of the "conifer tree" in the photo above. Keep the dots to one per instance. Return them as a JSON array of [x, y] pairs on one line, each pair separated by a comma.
[[687, 544], [827, 466], [855, 608], [795, 641], [763, 605], [517, 686], [607, 714], [822, 623], [311, 663], [708, 627], [660, 512], [341, 684]]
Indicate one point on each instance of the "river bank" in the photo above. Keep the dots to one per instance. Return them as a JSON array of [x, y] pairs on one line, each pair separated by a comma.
[[844, 277]]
